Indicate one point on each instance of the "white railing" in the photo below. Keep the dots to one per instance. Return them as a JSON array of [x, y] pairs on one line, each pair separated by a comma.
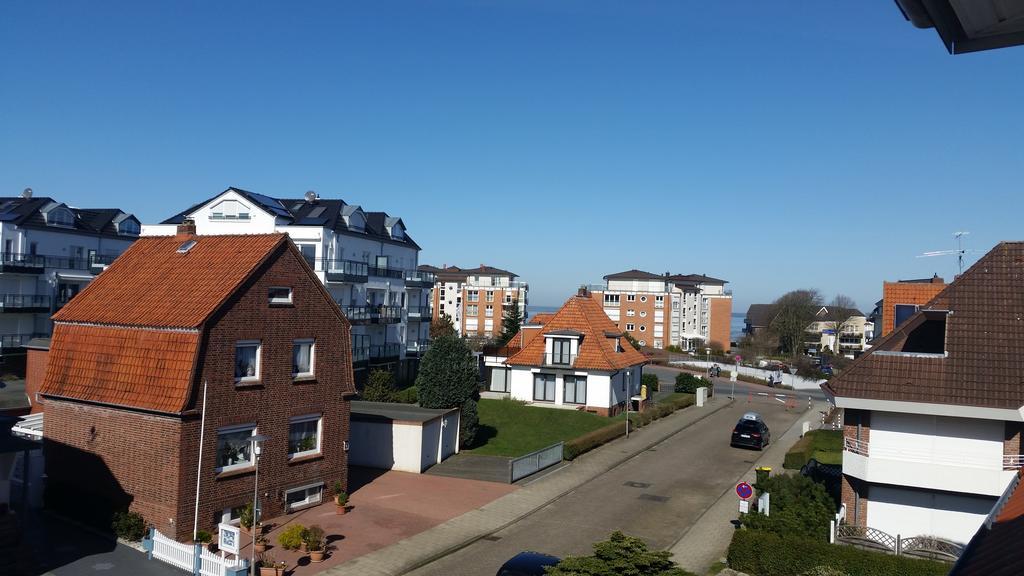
[[174, 553], [1013, 462], [214, 565], [925, 456]]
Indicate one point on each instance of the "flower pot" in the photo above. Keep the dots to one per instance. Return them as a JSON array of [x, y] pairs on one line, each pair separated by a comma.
[[303, 548], [340, 508], [317, 556], [271, 571], [261, 547]]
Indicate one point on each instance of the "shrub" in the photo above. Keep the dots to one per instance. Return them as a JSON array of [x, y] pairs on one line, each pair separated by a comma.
[[688, 383], [407, 396], [620, 554], [469, 422], [314, 538], [380, 387], [203, 537], [766, 554], [129, 526], [800, 507], [291, 538], [798, 454], [593, 439], [651, 381], [247, 516]]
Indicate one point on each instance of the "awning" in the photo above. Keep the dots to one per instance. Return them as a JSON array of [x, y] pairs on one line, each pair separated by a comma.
[[75, 277]]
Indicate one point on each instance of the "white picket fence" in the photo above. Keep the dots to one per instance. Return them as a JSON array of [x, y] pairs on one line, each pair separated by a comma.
[[184, 556]]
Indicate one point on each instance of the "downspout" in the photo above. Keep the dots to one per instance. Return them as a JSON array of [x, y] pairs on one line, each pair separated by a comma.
[[199, 468]]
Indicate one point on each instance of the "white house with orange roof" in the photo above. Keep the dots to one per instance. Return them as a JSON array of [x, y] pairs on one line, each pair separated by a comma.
[[578, 358]]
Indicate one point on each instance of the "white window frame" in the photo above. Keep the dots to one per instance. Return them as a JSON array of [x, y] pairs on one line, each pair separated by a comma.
[[226, 516], [643, 313], [489, 311], [239, 212], [630, 313], [259, 352], [611, 298], [277, 299], [643, 328], [308, 502], [312, 357], [489, 296], [643, 298], [251, 427], [630, 297], [630, 327], [319, 419], [642, 342]]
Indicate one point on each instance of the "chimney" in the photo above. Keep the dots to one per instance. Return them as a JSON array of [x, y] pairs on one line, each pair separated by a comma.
[[936, 279], [187, 228]]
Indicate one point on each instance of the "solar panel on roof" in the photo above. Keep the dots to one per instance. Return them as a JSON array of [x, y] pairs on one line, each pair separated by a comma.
[[269, 203], [312, 221], [7, 216]]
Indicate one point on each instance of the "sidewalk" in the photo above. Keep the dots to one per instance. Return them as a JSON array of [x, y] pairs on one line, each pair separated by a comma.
[[706, 540], [459, 532]]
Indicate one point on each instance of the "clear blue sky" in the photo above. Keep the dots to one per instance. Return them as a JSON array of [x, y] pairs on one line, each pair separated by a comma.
[[778, 145]]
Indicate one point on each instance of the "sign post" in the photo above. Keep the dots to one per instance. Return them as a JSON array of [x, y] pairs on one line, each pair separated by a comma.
[[229, 538], [744, 491]]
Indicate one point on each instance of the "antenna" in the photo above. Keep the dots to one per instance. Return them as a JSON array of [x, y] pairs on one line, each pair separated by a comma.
[[958, 237]]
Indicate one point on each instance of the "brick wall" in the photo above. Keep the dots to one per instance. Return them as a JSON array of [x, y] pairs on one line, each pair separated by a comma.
[[720, 319], [116, 456], [35, 371], [1011, 440], [856, 512]]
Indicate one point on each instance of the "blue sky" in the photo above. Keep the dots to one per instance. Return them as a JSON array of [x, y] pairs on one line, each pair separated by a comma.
[[778, 145]]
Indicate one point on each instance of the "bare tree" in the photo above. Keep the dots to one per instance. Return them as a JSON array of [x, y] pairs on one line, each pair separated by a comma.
[[793, 312], [838, 315]]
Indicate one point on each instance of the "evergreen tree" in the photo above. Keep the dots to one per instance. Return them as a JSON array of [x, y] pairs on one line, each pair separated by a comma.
[[448, 379], [511, 322], [443, 326], [620, 555], [380, 387]]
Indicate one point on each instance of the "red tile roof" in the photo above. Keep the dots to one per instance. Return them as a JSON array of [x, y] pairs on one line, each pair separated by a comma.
[[540, 318], [151, 284], [984, 343], [996, 548], [132, 367], [597, 352]]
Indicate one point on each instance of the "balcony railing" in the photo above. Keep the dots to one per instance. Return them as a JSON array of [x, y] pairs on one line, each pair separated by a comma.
[[360, 354], [27, 263], [24, 303], [386, 272], [414, 278], [384, 352], [923, 456], [16, 340], [385, 314], [418, 312], [344, 271], [356, 314], [417, 348], [556, 359]]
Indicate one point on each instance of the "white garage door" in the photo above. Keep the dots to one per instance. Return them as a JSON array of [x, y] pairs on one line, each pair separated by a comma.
[[911, 513]]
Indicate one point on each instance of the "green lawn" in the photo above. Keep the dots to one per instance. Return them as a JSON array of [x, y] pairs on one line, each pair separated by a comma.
[[825, 446], [510, 428]]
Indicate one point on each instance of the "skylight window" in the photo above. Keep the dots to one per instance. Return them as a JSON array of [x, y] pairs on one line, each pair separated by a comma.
[[186, 246]]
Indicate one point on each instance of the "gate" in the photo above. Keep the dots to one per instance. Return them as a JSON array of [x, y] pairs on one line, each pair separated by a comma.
[[534, 462]]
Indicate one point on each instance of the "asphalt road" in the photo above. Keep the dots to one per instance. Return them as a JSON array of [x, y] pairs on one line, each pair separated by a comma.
[[667, 376], [656, 495]]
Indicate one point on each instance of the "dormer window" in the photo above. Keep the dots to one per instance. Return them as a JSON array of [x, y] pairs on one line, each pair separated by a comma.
[[129, 227], [229, 210], [60, 217]]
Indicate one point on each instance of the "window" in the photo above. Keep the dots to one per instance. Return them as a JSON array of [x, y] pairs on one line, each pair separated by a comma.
[[489, 296], [279, 295], [643, 313], [630, 297], [489, 310], [630, 327], [544, 387], [630, 313], [304, 435], [472, 296], [303, 496], [659, 298], [657, 343], [472, 310], [247, 361], [234, 447], [611, 298], [643, 328], [129, 227], [488, 326], [60, 217], [642, 342], [643, 298], [560, 351], [508, 298], [575, 390], [229, 210], [232, 515], [309, 253], [442, 292], [302, 358]]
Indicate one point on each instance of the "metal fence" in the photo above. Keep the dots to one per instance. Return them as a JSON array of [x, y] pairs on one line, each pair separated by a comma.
[[534, 462]]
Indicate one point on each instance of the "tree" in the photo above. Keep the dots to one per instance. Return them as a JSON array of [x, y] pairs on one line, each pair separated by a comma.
[[511, 322], [442, 326], [448, 379], [620, 555], [380, 387], [839, 315], [792, 313]]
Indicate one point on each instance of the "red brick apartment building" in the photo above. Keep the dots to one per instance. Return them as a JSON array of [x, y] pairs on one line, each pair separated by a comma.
[[239, 324]]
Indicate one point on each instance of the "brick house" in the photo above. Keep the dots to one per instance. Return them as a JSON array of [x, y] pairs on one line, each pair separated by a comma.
[[577, 358], [239, 324], [933, 412]]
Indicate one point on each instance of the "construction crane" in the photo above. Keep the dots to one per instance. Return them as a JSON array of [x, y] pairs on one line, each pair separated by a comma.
[[958, 238]]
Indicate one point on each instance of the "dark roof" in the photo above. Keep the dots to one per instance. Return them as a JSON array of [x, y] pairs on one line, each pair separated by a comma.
[[983, 356], [456, 274], [37, 344], [968, 26], [387, 411], [13, 396], [840, 312], [760, 314], [634, 274], [696, 279], [322, 212], [28, 213], [996, 548]]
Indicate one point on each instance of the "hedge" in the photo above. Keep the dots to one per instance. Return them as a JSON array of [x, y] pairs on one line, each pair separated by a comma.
[[767, 554], [407, 396], [651, 381], [593, 439], [688, 383], [798, 455]]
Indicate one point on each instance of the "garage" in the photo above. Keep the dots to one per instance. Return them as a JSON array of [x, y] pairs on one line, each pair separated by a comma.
[[401, 436], [909, 513]]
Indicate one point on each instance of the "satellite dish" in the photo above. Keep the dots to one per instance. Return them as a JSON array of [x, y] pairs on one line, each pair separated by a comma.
[[311, 196], [26, 193]]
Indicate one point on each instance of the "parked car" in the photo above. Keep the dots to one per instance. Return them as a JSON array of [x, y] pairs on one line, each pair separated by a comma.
[[751, 431], [527, 564]]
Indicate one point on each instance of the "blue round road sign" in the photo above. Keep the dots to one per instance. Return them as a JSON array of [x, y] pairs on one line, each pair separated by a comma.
[[743, 490]]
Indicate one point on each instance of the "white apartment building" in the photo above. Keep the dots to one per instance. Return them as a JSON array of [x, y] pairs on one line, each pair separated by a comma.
[[933, 412], [691, 311], [476, 298], [51, 251], [366, 260], [848, 336]]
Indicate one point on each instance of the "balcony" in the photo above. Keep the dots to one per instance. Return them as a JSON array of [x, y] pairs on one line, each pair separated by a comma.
[[356, 314], [419, 312], [936, 469], [384, 353], [417, 279], [22, 263], [98, 263], [417, 349], [66, 263], [555, 360], [345, 271], [360, 354], [13, 341], [385, 314], [25, 303], [386, 272]]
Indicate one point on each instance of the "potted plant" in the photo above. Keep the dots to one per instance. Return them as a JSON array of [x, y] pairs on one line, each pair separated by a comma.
[[261, 544], [291, 538], [246, 518], [315, 543], [269, 566], [340, 498]]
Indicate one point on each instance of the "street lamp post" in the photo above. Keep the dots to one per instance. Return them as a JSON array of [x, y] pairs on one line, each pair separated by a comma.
[[257, 447], [629, 397]]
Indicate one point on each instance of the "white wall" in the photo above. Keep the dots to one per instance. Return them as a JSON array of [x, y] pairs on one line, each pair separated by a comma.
[[385, 445], [911, 513], [938, 439]]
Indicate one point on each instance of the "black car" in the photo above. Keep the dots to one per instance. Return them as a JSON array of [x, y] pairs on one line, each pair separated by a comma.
[[527, 564], [751, 431]]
